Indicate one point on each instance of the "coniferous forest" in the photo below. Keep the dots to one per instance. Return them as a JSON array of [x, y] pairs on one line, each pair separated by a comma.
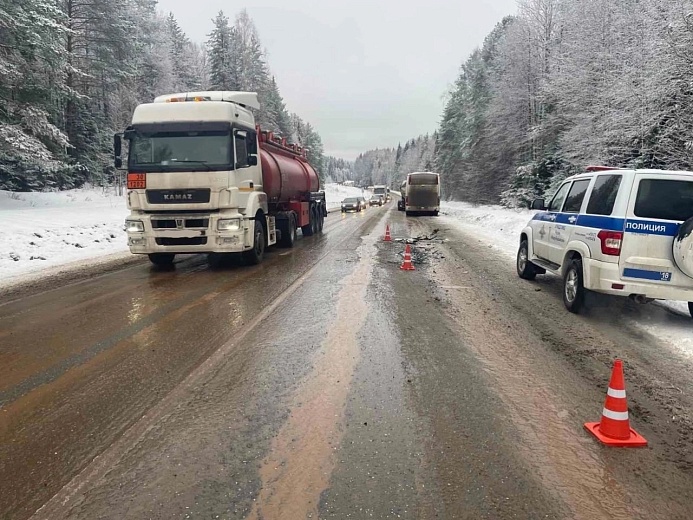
[[72, 72], [560, 85]]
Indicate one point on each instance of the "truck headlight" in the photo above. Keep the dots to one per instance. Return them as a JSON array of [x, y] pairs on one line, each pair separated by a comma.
[[229, 224], [134, 226]]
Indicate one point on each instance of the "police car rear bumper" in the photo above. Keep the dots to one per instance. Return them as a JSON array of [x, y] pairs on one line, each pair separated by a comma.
[[605, 277]]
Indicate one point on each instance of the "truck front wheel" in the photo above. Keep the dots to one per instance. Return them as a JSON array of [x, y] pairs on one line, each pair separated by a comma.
[[162, 259], [255, 255]]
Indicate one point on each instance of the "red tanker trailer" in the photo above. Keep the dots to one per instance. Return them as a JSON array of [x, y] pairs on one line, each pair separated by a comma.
[[292, 186], [203, 178]]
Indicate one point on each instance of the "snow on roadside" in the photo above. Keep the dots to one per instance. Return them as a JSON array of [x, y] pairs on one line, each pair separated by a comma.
[[42, 230], [500, 227], [45, 230]]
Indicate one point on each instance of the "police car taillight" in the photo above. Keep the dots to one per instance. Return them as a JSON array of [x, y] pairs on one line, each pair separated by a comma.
[[611, 242]]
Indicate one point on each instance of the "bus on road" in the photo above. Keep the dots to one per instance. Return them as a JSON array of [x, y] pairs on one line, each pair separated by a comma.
[[422, 194]]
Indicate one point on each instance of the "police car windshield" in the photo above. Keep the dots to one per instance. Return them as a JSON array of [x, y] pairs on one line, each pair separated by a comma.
[[664, 199], [189, 151]]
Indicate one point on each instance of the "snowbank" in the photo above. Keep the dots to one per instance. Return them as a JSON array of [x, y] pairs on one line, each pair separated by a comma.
[[43, 230]]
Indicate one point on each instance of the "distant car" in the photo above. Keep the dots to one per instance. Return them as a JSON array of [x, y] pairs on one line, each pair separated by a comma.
[[376, 200], [352, 204]]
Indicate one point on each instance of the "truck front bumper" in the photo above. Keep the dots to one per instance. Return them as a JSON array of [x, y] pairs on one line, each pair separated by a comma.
[[185, 238]]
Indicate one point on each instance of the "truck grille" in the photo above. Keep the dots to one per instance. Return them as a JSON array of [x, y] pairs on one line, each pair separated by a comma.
[[193, 241], [178, 196], [185, 223]]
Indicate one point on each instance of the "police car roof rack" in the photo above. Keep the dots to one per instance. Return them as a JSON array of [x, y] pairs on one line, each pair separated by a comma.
[[602, 168]]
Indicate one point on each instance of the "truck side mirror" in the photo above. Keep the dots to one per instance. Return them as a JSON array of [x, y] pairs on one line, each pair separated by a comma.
[[252, 160], [117, 150]]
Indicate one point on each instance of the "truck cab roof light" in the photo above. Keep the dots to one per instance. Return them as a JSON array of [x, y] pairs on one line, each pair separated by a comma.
[[244, 99]]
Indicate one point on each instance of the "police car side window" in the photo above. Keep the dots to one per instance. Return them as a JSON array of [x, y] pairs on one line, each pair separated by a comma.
[[559, 197], [604, 194], [573, 202]]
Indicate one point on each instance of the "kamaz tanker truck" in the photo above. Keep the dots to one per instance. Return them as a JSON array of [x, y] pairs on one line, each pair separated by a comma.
[[203, 178]]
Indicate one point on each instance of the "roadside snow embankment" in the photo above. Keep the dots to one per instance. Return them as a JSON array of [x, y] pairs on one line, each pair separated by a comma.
[[43, 230], [500, 227]]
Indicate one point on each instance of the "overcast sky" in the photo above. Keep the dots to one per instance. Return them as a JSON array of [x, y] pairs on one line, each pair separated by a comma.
[[366, 74]]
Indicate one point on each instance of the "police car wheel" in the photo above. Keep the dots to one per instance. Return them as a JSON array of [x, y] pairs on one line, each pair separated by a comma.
[[525, 268], [573, 287]]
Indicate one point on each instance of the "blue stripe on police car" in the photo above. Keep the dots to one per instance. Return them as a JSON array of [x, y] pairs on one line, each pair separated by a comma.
[[647, 227]]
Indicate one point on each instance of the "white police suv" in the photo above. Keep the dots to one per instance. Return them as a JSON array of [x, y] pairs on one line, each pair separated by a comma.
[[615, 231]]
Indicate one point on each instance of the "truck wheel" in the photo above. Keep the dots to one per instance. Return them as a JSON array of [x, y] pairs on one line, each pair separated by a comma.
[[288, 229], [690, 308], [255, 255], [309, 228], [321, 221], [525, 268], [314, 220], [573, 288], [162, 259]]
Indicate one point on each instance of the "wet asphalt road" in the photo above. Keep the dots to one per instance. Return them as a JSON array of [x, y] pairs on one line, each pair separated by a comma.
[[327, 383]]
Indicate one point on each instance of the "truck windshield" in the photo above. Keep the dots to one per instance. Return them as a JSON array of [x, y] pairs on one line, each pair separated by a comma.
[[189, 151], [379, 191]]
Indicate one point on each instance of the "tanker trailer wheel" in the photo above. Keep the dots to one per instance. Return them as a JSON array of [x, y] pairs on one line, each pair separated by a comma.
[[288, 229], [254, 256], [310, 228], [314, 221], [321, 220]]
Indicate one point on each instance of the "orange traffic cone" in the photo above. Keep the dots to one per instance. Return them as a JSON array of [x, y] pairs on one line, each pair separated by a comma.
[[407, 265], [614, 428], [387, 238]]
